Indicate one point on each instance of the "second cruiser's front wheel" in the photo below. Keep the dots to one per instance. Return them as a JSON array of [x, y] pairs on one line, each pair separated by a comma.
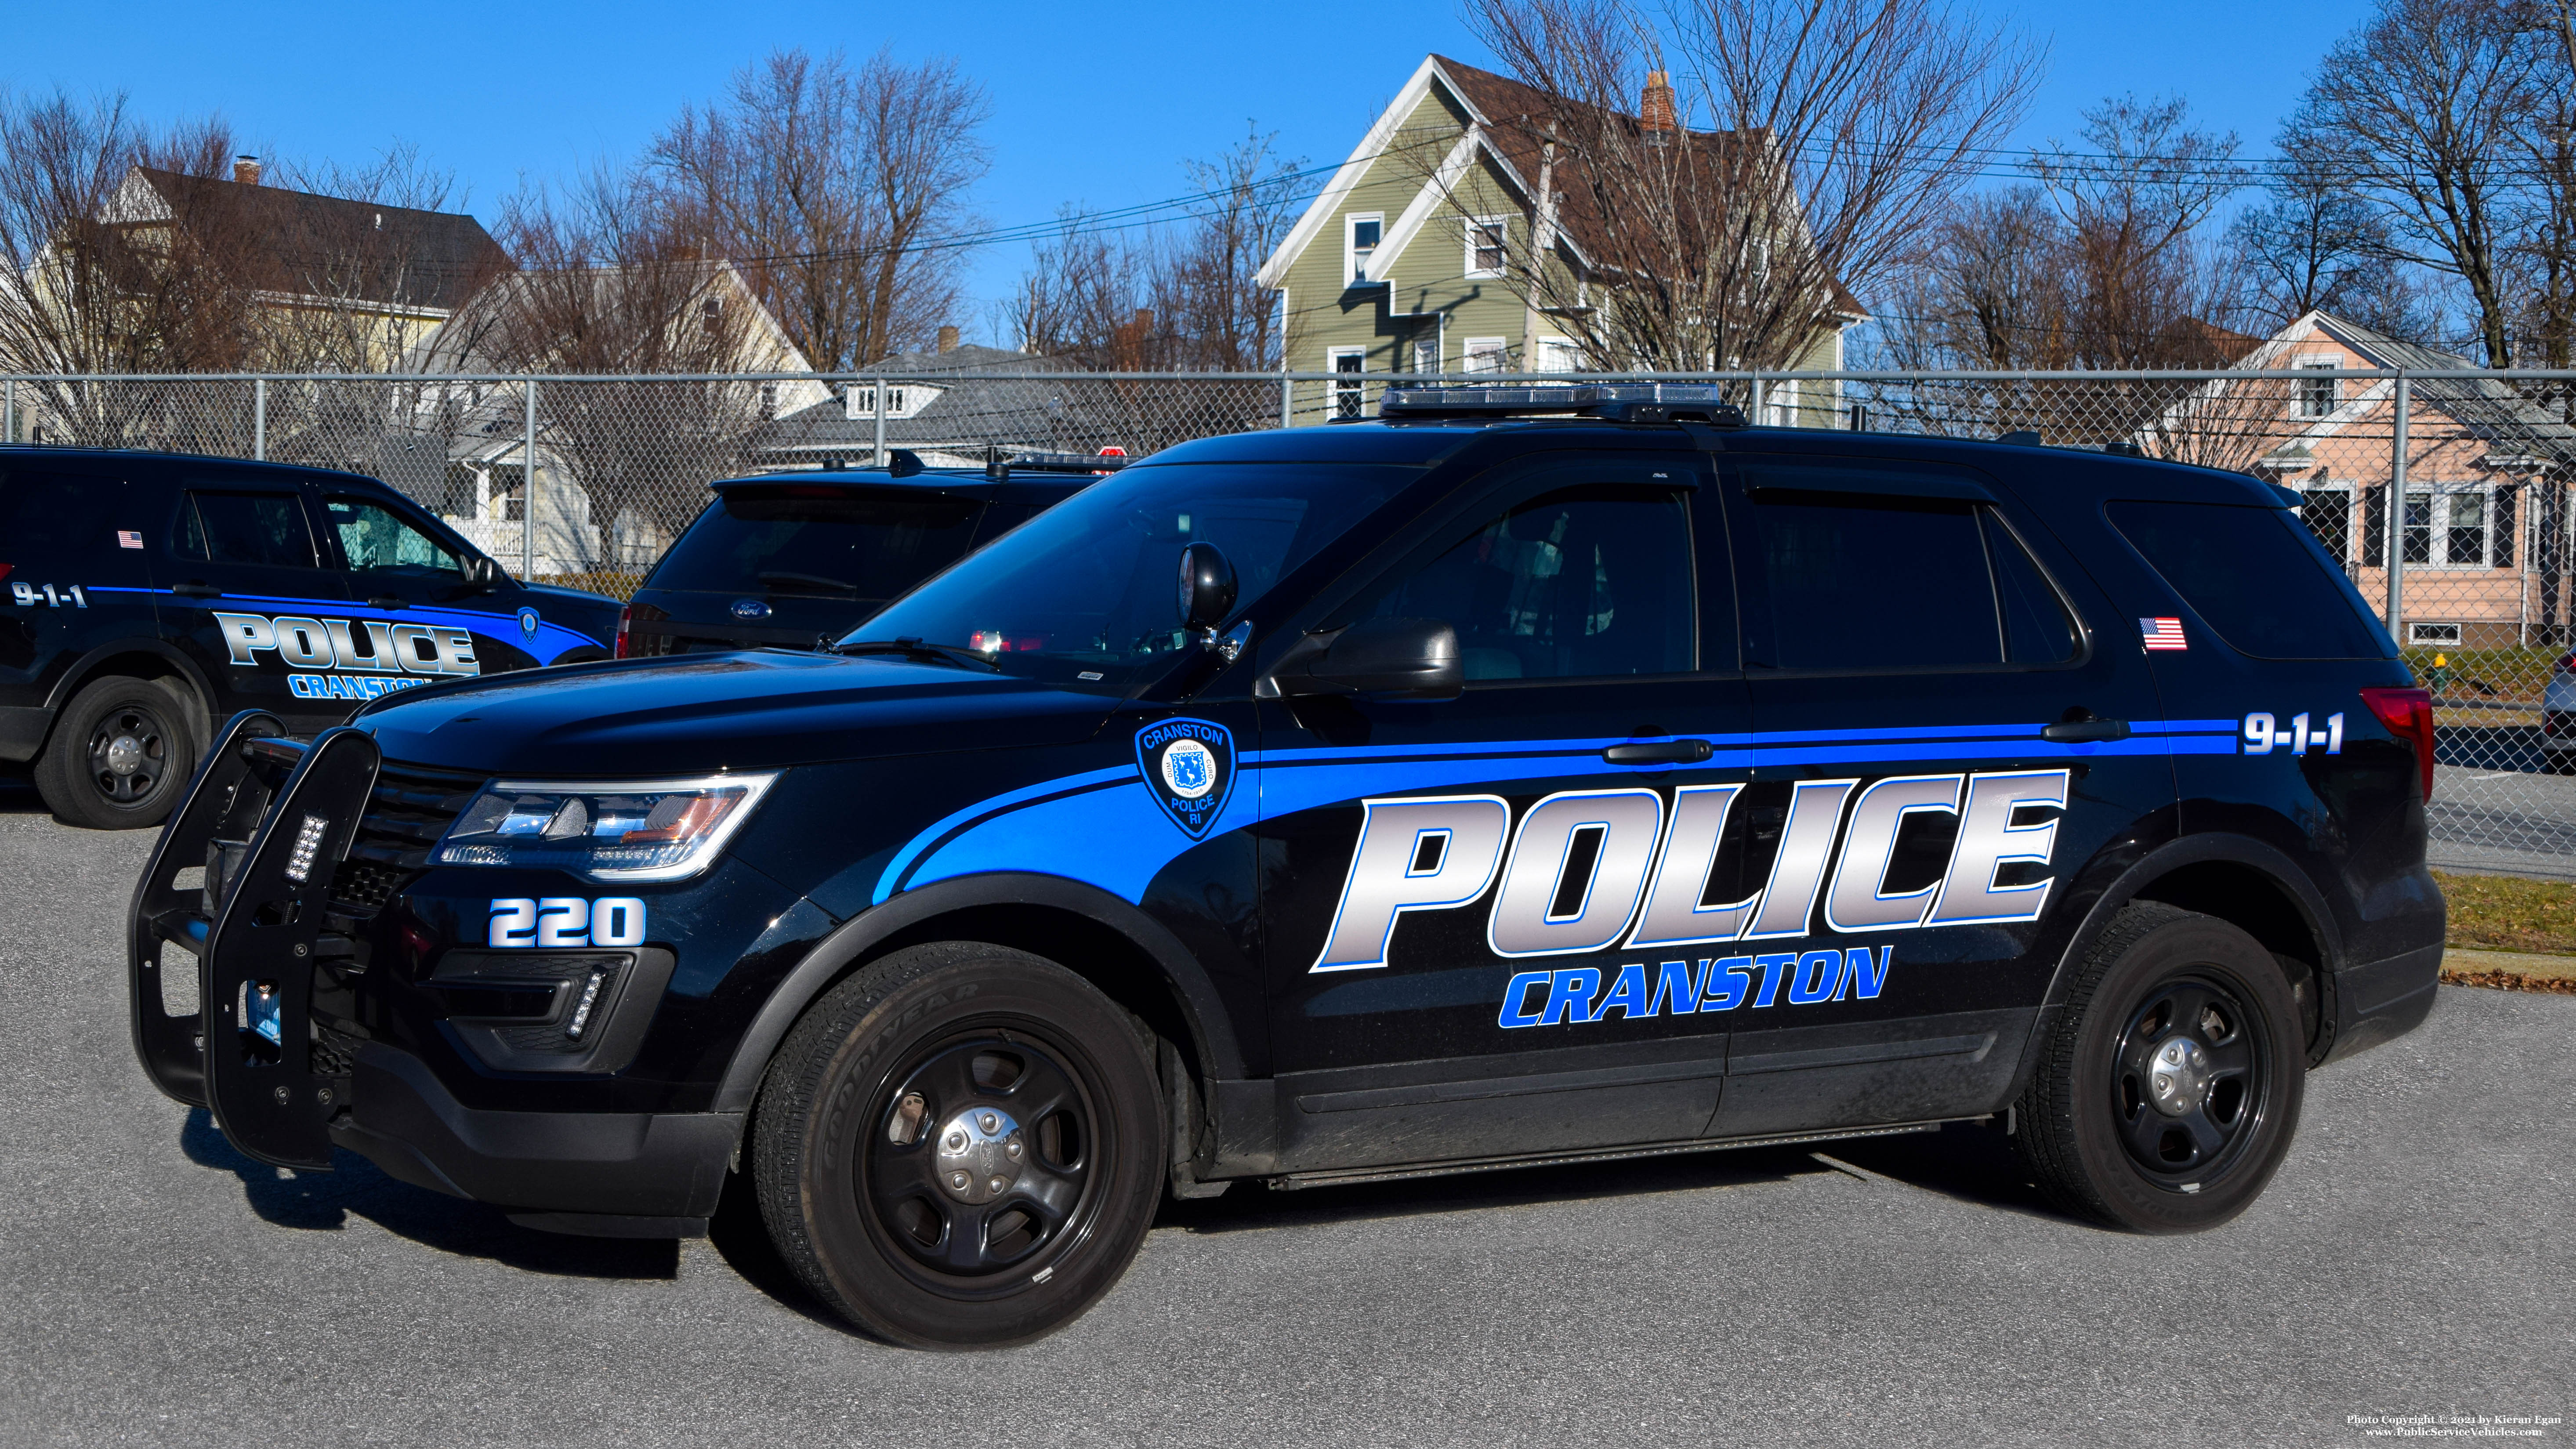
[[958, 1147]]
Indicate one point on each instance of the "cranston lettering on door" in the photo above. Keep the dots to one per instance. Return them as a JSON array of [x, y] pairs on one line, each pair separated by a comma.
[[1587, 871], [364, 657]]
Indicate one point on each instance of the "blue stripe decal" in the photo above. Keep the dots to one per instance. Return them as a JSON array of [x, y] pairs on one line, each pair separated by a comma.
[[1104, 828], [984, 809]]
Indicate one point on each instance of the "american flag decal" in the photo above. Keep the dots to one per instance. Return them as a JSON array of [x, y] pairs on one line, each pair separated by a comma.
[[2162, 633]]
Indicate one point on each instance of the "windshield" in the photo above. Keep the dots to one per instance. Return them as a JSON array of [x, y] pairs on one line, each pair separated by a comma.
[[1087, 592], [830, 543]]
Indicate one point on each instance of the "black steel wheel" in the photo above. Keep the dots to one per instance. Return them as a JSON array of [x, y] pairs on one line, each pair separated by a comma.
[[959, 1146], [2168, 1092], [2187, 1079], [119, 756]]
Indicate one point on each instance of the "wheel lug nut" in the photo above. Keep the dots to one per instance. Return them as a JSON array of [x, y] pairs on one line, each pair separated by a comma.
[[1012, 1147], [989, 1121], [956, 1140], [957, 1180], [997, 1184]]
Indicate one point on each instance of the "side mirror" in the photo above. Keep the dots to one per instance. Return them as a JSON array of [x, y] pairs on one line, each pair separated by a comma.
[[481, 573], [1207, 587], [1389, 658]]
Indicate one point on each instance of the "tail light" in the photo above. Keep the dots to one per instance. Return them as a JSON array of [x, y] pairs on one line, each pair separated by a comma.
[[4, 573], [2408, 714], [625, 617]]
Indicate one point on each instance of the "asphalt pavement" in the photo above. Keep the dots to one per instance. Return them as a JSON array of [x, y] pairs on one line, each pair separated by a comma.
[[2413, 1257]]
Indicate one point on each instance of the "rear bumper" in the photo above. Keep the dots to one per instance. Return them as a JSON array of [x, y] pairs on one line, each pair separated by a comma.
[[627, 1164], [22, 730], [2383, 1000]]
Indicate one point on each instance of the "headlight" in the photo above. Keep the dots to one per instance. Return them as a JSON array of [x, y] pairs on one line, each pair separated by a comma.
[[630, 830]]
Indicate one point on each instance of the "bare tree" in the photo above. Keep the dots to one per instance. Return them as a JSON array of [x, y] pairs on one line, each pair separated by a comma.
[[1729, 225], [2311, 245], [838, 190], [2146, 292], [2421, 110], [603, 288], [1179, 297]]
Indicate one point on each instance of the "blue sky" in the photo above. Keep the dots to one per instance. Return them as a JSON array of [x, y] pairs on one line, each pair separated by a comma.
[[1097, 103]]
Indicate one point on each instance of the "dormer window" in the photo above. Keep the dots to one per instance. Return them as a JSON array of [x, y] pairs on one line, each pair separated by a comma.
[[1363, 232]]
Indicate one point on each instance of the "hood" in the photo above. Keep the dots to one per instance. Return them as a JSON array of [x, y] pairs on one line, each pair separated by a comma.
[[710, 712]]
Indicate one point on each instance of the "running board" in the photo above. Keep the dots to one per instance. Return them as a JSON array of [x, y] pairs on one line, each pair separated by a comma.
[[1290, 1182]]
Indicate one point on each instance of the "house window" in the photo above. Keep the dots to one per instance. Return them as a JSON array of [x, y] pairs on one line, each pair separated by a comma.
[[1349, 396], [1363, 232], [2415, 546], [2317, 395], [1484, 354], [2433, 634], [1426, 355], [1487, 237], [2461, 527], [1557, 355], [2465, 536], [2327, 511]]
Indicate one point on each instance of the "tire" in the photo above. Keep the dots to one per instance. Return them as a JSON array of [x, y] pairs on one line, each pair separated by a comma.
[[121, 754], [2111, 1139], [938, 1062]]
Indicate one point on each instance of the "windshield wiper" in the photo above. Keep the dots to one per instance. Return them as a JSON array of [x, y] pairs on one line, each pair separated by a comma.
[[811, 581], [916, 649]]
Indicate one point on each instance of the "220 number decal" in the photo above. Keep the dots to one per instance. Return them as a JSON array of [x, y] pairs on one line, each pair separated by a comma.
[[554, 922]]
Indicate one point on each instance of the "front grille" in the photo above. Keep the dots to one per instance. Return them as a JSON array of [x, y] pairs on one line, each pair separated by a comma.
[[334, 1053], [411, 808]]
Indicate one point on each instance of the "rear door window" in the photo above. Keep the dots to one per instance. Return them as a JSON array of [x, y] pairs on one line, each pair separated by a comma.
[[67, 530], [258, 529], [818, 542], [1841, 573], [2255, 575]]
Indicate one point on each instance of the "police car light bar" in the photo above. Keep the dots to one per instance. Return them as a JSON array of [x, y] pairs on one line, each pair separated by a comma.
[[1000, 463], [1627, 402]]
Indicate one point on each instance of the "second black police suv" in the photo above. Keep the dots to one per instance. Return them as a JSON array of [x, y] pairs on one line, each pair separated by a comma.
[[1453, 791], [145, 597]]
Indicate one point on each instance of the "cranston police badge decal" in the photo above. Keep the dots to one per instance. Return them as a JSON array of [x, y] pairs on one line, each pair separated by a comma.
[[1188, 766], [528, 624]]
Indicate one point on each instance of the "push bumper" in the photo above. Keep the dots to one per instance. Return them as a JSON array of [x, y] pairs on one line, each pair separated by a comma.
[[2383, 1000], [635, 1166]]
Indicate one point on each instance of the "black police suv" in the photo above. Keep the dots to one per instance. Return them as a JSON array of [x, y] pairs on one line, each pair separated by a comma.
[[1447, 792], [146, 596], [787, 559]]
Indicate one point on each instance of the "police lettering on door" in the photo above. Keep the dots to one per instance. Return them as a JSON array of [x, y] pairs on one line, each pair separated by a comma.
[[365, 657], [1587, 871]]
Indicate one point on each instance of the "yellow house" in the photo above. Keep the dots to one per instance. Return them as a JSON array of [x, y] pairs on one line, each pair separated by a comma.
[[335, 285]]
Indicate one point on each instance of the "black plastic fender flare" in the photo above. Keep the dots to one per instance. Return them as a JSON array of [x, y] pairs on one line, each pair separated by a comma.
[[86, 668], [1219, 1055], [2173, 855]]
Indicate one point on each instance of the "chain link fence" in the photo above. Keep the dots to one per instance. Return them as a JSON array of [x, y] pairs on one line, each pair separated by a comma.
[[2444, 495]]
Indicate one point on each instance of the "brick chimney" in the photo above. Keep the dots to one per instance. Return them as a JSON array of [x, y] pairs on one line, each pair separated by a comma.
[[246, 170], [1655, 114], [948, 339]]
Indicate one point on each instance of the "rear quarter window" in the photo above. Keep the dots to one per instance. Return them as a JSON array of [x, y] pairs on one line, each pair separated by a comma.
[[2255, 575]]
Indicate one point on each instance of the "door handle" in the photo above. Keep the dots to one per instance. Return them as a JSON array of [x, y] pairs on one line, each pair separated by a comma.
[[1662, 752], [386, 602], [196, 589], [2086, 731]]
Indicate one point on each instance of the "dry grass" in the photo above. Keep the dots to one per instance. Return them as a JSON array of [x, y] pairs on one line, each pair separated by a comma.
[[2508, 913]]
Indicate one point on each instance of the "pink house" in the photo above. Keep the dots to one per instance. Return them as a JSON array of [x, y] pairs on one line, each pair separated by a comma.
[[2484, 543]]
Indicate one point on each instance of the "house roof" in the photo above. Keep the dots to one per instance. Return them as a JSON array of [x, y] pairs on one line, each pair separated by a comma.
[[325, 246], [1510, 122], [967, 414], [2485, 407]]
